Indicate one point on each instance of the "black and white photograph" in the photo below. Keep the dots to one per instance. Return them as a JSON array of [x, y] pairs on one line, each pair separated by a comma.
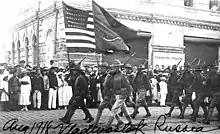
[[110, 66]]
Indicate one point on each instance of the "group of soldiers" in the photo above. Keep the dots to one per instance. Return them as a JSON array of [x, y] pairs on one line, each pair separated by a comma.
[[199, 83], [118, 89]]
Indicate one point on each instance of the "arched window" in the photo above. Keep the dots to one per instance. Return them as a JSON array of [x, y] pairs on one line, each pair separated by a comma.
[[27, 49], [13, 52], [18, 50], [34, 48]]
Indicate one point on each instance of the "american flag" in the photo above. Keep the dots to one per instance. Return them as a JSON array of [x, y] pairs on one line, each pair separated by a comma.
[[79, 29]]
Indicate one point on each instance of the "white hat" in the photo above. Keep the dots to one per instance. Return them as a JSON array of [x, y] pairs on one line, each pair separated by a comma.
[[162, 78]]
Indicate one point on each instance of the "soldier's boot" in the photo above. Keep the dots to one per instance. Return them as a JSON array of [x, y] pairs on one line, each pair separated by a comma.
[[148, 114], [120, 122], [135, 112], [133, 105], [88, 115], [181, 108], [181, 116], [97, 118], [208, 118], [69, 116], [205, 110], [65, 116], [109, 123], [171, 110]]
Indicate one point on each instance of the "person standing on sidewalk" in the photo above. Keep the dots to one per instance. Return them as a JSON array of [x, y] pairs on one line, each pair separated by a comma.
[[53, 84], [163, 91], [81, 91], [46, 89], [37, 88], [141, 85], [14, 90], [25, 90]]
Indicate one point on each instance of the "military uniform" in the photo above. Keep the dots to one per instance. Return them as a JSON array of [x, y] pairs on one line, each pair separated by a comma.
[[107, 95], [130, 77], [214, 85], [121, 88], [176, 90], [200, 87], [141, 85], [186, 82], [77, 100]]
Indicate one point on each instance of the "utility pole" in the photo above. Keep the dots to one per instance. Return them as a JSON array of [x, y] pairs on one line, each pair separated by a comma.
[[38, 30]]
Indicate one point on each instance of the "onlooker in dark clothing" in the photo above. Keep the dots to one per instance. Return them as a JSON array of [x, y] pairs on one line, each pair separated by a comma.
[[53, 84]]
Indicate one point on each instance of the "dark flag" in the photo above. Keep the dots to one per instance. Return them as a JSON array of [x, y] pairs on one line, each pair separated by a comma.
[[110, 34]]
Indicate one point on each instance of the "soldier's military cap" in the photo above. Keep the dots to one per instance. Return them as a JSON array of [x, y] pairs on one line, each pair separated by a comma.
[[141, 67], [116, 63], [104, 64], [174, 67], [198, 68], [128, 66], [186, 64]]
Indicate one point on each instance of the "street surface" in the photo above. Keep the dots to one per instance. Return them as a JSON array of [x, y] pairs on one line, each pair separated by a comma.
[[40, 118]]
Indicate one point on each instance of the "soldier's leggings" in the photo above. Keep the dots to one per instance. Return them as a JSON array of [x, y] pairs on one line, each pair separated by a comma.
[[187, 100], [214, 102], [199, 101], [78, 101], [175, 100], [106, 103]]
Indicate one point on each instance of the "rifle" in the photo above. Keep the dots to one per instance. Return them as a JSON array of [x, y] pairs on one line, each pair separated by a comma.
[[198, 62], [82, 60], [129, 59], [192, 61], [203, 64], [145, 62], [178, 63]]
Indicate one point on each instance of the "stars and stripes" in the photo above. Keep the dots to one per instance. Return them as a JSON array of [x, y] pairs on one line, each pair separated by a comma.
[[79, 28]]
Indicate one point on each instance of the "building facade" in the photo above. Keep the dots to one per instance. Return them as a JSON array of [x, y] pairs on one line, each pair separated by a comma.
[[168, 31]]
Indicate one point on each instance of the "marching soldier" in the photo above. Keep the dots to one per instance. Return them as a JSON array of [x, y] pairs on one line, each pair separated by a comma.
[[214, 84], [107, 95], [130, 77], [186, 82], [175, 89], [141, 85], [80, 93], [121, 88], [199, 85]]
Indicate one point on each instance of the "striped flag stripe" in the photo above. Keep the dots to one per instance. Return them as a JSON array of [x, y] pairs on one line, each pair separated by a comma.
[[79, 41], [81, 45], [80, 37], [80, 34], [72, 30]]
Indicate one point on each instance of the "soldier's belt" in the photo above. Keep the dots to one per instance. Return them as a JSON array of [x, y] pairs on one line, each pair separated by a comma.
[[121, 91], [142, 90]]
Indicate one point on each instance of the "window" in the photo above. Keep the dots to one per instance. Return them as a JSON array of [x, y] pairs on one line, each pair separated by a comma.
[[188, 3], [214, 5]]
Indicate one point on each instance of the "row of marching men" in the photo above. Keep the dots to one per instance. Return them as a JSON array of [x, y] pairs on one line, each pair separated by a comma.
[[195, 87], [117, 89]]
